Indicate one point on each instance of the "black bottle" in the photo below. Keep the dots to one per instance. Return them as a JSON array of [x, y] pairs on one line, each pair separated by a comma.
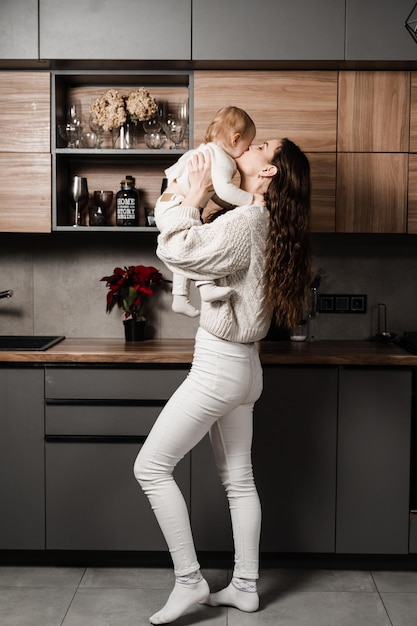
[[127, 203]]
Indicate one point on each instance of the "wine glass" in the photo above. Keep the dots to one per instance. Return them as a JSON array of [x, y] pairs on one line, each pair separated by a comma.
[[74, 113], [79, 197], [175, 128], [96, 128], [70, 134], [152, 126]]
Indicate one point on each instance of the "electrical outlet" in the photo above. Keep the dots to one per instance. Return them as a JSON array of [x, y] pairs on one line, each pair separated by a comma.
[[341, 303]]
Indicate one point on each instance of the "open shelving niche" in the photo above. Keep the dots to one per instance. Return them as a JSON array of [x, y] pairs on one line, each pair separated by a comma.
[[105, 167]]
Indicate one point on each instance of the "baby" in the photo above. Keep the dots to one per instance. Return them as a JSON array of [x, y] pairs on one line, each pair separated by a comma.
[[228, 136]]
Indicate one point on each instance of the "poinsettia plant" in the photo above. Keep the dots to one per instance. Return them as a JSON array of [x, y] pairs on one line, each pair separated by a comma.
[[129, 287]]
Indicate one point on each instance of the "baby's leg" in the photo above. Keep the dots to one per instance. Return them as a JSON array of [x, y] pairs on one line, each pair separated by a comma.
[[210, 292], [180, 299]]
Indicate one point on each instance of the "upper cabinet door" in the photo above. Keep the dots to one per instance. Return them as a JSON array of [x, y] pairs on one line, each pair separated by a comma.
[[19, 29], [375, 31], [123, 30], [373, 111], [268, 30]]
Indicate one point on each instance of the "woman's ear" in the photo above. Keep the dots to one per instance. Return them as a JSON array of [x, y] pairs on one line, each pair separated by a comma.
[[268, 172]]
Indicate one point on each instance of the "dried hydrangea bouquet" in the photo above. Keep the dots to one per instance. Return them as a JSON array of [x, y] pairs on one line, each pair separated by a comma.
[[120, 114]]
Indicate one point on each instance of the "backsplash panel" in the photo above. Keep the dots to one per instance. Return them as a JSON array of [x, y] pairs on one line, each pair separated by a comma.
[[57, 287]]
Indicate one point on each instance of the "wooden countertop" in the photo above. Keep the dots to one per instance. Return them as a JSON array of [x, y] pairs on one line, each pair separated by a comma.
[[180, 351]]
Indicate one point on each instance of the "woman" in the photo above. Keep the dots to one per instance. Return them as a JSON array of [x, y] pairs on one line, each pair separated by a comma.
[[262, 253]]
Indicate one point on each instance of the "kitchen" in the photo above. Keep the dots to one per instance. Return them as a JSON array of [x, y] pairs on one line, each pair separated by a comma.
[[56, 275]]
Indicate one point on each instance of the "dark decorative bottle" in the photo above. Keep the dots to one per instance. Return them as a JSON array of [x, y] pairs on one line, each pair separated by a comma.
[[127, 203]]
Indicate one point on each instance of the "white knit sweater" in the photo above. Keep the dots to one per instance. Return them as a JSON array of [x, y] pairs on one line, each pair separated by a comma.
[[231, 250]]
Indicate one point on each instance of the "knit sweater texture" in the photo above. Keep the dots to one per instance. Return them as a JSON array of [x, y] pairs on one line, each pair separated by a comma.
[[231, 251]]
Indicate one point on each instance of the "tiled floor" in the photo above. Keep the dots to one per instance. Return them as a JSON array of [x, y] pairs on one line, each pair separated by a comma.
[[73, 596]]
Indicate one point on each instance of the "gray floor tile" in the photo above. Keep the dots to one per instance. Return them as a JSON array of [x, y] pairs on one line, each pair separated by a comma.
[[401, 607], [27, 606], [315, 580], [316, 609], [132, 607], [396, 581], [16, 576], [143, 578]]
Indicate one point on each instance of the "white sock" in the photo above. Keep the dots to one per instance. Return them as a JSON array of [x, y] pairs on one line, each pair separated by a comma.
[[181, 304], [241, 594], [209, 292], [188, 590]]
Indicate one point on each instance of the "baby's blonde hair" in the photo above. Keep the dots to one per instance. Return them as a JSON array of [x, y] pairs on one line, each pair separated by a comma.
[[227, 122]]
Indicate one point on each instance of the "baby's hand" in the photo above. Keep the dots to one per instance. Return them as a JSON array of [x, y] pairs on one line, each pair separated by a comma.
[[258, 198]]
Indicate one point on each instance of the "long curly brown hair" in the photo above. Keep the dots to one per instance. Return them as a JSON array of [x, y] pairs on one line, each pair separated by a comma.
[[288, 261]]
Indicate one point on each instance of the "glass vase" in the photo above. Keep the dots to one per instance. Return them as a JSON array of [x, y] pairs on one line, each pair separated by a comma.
[[124, 137]]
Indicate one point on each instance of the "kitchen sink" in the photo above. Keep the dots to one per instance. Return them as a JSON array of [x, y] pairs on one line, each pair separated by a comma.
[[28, 342]]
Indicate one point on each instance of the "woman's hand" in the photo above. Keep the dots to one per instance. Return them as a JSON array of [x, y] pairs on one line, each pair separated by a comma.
[[199, 172]]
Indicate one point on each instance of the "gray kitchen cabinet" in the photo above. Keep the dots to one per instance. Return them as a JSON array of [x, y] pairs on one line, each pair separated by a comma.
[[294, 459], [107, 30], [373, 477], [375, 31], [22, 474], [96, 421], [19, 29], [263, 30]]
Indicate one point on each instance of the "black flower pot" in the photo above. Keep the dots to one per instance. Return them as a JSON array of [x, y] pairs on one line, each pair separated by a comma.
[[134, 330]]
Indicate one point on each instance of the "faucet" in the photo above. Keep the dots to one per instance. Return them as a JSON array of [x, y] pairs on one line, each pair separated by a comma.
[[6, 294]]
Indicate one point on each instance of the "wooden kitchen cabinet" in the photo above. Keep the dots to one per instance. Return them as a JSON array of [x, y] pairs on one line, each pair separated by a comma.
[[22, 469], [106, 166], [146, 30], [263, 30], [25, 153], [19, 30], [373, 111], [371, 192], [373, 476], [375, 31], [299, 105], [96, 421], [412, 195]]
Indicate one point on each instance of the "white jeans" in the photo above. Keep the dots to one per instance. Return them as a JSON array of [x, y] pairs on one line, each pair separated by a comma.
[[218, 396]]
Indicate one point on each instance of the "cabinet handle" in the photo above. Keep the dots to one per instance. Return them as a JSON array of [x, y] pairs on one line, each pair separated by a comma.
[[95, 438]]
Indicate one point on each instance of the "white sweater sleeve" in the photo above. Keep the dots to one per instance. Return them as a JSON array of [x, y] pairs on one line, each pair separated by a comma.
[[202, 251]]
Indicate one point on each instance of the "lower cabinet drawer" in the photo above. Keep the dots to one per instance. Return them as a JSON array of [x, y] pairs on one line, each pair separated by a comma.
[[88, 420], [93, 501]]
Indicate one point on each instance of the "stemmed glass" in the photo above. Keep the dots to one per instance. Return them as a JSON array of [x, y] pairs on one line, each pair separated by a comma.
[[175, 129], [174, 121], [96, 128], [79, 197]]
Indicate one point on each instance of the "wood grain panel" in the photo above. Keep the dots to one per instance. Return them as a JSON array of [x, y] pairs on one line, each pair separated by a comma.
[[298, 105], [25, 193], [371, 192], [413, 113], [180, 351], [374, 111], [323, 192], [412, 195], [25, 112]]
